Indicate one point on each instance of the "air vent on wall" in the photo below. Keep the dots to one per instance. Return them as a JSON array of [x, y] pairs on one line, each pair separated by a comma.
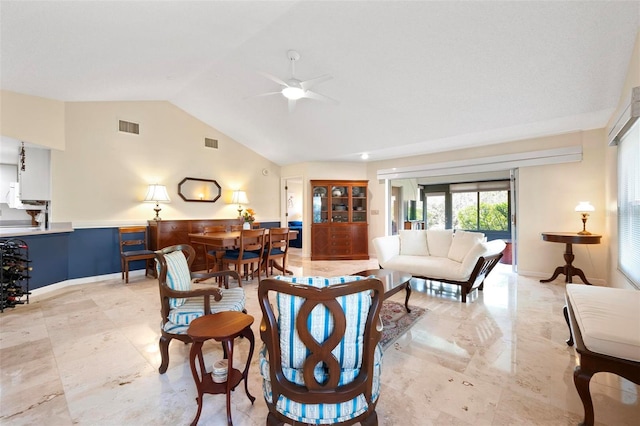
[[129, 127], [211, 143]]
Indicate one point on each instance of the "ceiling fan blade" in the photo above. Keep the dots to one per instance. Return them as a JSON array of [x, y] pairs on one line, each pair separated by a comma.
[[292, 105], [308, 84], [317, 96], [267, 94], [273, 78]]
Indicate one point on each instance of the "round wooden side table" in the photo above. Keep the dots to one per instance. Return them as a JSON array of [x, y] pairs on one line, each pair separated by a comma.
[[569, 238], [223, 327]]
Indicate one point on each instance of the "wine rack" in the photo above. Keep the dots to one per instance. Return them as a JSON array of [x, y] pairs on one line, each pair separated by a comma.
[[14, 273]]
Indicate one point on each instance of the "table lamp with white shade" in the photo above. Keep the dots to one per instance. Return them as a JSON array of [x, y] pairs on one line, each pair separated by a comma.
[[584, 208], [157, 193], [239, 198]]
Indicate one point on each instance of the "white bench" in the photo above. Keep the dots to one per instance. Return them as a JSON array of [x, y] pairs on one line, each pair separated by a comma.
[[605, 323]]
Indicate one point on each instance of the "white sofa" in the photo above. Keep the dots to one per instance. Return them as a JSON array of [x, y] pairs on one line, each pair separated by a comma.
[[462, 258]]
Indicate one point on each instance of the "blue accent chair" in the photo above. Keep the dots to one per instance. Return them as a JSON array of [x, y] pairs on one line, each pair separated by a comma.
[[296, 225]]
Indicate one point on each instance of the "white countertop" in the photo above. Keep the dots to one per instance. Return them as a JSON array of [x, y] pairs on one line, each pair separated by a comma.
[[17, 231]]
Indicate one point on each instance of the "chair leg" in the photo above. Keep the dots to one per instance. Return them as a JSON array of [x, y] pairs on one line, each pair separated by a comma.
[[272, 421], [371, 420], [164, 354], [149, 266], [126, 272], [122, 267]]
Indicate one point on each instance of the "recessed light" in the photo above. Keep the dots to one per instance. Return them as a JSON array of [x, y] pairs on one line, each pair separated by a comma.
[[364, 156]]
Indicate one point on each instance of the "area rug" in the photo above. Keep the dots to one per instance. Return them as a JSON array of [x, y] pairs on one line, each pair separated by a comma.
[[396, 321]]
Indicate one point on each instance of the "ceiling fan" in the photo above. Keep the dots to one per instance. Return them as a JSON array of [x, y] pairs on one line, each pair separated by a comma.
[[294, 89]]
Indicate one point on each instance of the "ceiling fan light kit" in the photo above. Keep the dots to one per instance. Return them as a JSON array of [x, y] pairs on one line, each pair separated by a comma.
[[293, 93], [295, 89]]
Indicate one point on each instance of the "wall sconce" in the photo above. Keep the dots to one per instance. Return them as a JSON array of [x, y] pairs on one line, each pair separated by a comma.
[[584, 207], [157, 193], [239, 198]]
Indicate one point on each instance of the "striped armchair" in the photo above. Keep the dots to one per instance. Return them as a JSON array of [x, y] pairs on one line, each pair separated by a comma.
[[182, 300], [321, 359]]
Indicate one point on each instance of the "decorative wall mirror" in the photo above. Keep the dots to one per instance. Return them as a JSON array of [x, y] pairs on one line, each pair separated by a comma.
[[202, 190]]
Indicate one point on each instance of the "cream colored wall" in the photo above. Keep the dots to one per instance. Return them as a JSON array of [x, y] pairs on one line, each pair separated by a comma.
[[101, 177], [32, 119], [614, 277], [547, 198]]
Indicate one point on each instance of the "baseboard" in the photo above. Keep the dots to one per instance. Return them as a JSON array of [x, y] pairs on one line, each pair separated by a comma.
[[576, 280], [39, 292]]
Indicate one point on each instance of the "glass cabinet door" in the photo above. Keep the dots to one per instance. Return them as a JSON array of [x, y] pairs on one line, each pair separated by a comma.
[[359, 203], [320, 204], [339, 204]]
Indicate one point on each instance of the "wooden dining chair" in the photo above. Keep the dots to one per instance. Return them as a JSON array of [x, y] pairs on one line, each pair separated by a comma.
[[133, 246], [249, 252], [212, 253], [277, 248]]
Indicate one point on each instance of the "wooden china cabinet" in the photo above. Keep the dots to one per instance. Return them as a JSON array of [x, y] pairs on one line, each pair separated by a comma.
[[339, 227]]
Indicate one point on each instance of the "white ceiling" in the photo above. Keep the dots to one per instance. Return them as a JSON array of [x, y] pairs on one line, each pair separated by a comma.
[[411, 77]]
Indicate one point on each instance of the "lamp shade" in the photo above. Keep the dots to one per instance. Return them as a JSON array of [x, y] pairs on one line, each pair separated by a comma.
[[156, 193], [239, 197], [584, 207]]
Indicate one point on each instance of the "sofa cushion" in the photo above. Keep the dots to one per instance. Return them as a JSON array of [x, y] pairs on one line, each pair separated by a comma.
[[484, 248], [439, 241], [413, 243], [386, 248], [462, 243], [428, 266]]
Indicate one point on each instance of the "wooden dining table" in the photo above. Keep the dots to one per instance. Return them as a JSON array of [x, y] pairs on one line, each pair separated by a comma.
[[230, 239]]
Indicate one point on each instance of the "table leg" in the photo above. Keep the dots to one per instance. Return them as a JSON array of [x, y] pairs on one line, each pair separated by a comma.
[[568, 269], [196, 351], [228, 344], [559, 270], [248, 333], [578, 272], [406, 299], [568, 258]]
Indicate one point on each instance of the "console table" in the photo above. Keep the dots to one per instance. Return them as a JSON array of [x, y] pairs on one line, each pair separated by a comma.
[[165, 233], [569, 238]]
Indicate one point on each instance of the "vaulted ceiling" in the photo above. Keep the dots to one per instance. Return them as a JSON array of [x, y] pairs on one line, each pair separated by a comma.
[[410, 77]]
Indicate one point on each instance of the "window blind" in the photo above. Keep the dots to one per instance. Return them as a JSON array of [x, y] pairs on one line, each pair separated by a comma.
[[629, 204]]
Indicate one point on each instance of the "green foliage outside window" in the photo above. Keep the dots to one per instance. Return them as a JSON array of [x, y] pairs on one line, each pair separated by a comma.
[[493, 217]]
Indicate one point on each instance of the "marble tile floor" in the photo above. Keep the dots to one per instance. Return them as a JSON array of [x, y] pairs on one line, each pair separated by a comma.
[[88, 354]]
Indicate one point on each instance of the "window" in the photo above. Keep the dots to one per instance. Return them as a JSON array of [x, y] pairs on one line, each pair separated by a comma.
[[435, 211], [482, 211], [473, 206], [629, 204]]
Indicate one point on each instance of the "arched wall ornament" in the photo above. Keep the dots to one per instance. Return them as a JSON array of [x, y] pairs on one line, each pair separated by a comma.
[[199, 190]]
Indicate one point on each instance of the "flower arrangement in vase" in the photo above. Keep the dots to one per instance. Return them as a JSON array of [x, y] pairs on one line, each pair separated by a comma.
[[248, 217]]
